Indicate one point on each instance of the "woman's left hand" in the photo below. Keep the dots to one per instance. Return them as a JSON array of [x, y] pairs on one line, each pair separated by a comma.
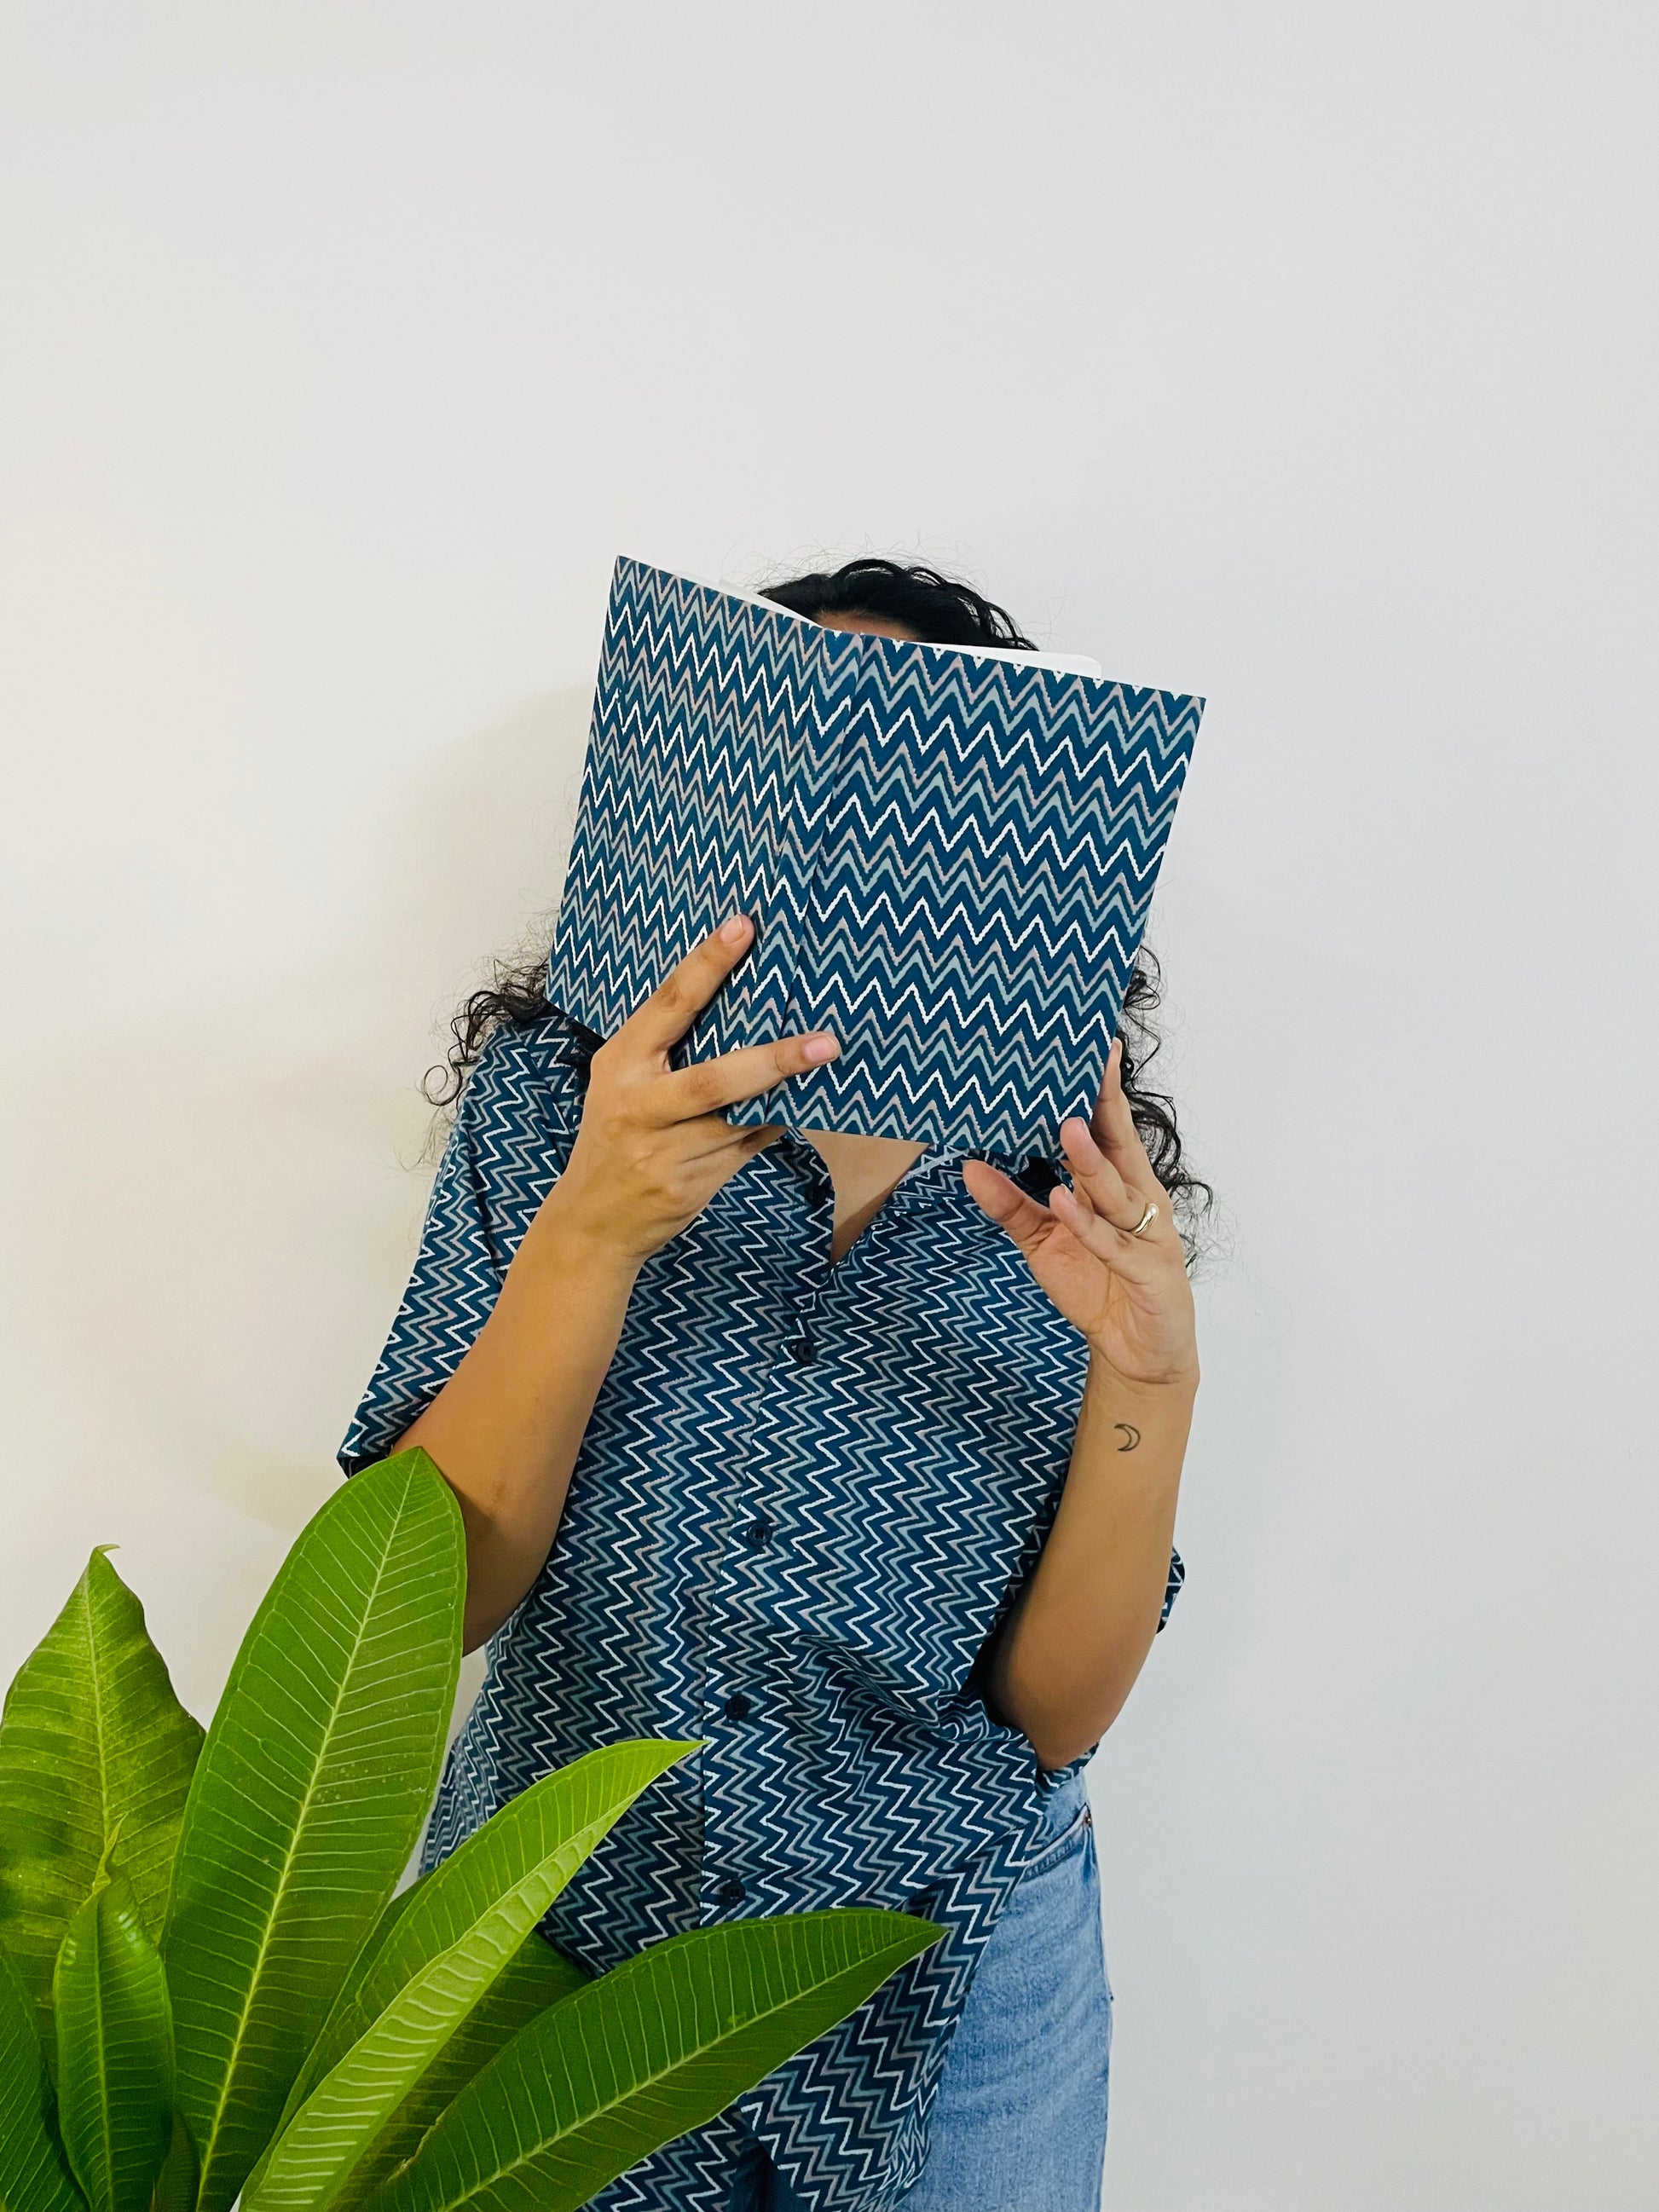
[[1129, 1295]]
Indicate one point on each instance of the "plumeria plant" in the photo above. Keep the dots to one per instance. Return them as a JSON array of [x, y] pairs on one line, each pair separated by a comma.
[[212, 1991]]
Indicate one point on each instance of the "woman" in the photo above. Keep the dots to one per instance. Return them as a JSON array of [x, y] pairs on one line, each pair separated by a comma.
[[854, 1459]]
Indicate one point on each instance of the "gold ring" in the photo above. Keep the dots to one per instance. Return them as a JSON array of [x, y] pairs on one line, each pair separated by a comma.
[[1147, 1218]]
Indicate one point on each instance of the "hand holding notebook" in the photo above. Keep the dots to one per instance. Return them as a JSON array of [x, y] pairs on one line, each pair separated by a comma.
[[656, 1141]]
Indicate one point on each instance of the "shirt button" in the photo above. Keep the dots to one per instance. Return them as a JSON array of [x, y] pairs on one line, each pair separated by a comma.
[[730, 1892], [739, 1708], [803, 1351], [759, 1533]]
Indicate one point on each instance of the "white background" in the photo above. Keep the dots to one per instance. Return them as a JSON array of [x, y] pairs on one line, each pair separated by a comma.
[[1298, 355]]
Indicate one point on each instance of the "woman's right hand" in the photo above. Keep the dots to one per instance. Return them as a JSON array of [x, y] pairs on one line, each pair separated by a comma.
[[653, 1147]]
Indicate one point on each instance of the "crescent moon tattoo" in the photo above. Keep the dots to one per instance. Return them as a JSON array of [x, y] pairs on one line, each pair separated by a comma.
[[1129, 1430]]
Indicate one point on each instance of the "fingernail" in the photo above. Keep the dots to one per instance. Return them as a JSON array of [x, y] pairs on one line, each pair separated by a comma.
[[820, 1046], [733, 931]]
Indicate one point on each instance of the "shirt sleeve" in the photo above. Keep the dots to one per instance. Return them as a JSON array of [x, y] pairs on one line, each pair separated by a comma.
[[513, 1127], [1171, 1589]]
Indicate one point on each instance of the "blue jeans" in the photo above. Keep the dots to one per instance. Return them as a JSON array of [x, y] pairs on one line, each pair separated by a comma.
[[1019, 2121]]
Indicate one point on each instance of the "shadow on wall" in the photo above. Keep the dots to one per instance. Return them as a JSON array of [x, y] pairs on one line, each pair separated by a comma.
[[229, 1199]]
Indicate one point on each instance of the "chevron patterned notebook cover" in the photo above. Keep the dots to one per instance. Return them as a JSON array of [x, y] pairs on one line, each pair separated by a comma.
[[948, 856]]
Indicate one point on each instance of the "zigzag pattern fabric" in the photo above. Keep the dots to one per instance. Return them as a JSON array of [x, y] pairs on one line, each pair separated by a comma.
[[949, 857], [806, 1495]]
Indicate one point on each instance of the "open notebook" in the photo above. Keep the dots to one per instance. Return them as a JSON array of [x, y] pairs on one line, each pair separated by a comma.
[[948, 854]]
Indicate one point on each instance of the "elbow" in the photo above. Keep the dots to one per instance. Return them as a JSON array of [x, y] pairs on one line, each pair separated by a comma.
[[1062, 1708], [1057, 1734], [1063, 1719], [1057, 1741]]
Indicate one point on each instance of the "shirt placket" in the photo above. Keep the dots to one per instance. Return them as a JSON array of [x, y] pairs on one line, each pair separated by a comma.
[[735, 1715]]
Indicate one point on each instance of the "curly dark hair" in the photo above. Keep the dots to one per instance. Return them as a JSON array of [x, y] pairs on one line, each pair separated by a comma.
[[941, 610]]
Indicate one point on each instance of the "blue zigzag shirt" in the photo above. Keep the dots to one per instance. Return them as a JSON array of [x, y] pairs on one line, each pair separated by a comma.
[[806, 1497]]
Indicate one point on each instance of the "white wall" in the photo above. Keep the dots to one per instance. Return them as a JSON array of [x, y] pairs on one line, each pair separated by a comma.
[[1298, 355]]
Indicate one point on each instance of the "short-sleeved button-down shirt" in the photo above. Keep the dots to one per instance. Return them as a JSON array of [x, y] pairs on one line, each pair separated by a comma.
[[806, 1495]]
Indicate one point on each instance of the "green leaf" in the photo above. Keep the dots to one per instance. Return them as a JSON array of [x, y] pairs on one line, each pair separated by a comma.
[[93, 1740], [32, 2175], [469, 1918], [655, 2048], [373, 1944], [175, 2185], [533, 1843], [537, 1977], [114, 2050], [311, 1790], [310, 2070]]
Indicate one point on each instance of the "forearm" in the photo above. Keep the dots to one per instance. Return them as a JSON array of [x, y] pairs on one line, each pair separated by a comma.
[[507, 1427], [1069, 1654]]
